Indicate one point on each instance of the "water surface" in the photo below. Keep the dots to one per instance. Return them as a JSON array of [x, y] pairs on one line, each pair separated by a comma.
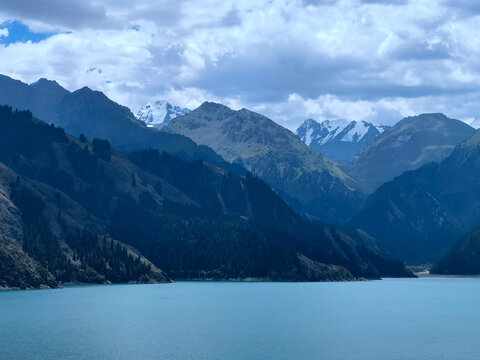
[[427, 318]]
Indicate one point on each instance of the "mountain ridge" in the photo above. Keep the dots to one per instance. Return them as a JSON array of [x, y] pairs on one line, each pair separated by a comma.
[[310, 182], [158, 114], [339, 140], [409, 144], [93, 114], [421, 213], [62, 181]]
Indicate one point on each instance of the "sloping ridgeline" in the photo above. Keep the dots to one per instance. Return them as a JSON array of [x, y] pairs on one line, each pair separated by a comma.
[[420, 214], [192, 220], [92, 114], [408, 145], [311, 183]]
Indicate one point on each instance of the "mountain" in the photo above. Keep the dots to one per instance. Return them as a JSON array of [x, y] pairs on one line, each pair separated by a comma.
[[93, 114], [419, 215], [409, 144], [160, 113], [87, 212], [339, 140], [463, 258], [47, 237], [310, 182], [40, 96]]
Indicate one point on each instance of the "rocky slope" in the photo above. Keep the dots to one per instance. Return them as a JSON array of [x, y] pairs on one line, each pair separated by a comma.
[[339, 140], [311, 183], [158, 114], [409, 144], [44, 242]]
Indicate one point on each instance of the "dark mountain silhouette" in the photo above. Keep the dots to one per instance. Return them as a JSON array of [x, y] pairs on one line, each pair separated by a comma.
[[92, 114], [76, 198]]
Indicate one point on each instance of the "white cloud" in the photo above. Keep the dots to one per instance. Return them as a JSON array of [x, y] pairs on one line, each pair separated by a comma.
[[287, 59], [4, 32]]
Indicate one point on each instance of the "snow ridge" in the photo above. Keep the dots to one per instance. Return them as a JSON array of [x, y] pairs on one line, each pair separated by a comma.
[[338, 139], [160, 113]]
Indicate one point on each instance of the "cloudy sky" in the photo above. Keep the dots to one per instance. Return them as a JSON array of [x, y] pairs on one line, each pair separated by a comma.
[[356, 59]]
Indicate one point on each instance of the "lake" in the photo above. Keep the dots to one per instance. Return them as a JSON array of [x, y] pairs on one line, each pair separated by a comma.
[[426, 318]]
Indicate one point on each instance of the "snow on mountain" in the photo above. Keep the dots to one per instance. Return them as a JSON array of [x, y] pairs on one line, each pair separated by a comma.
[[339, 140], [159, 113]]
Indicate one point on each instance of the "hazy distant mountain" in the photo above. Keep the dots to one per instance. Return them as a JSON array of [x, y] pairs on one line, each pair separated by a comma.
[[159, 113], [193, 220], [409, 144], [421, 213], [40, 97], [93, 114], [339, 140], [310, 182]]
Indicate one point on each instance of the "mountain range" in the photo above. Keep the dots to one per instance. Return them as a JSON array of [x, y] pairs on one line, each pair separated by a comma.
[[92, 114], [311, 183], [84, 209], [409, 144], [421, 213], [99, 196], [339, 140], [158, 114]]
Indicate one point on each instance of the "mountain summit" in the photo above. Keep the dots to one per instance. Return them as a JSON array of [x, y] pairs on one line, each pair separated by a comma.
[[158, 114], [419, 214], [93, 114], [310, 182], [409, 144], [339, 140]]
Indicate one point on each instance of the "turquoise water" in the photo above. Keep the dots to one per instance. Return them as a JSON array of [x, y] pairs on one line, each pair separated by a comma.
[[428, 318]]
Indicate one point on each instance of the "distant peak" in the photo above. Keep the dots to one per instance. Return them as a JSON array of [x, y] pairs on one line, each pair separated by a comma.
[[310, 122], [44, 81], [440, 116], [157, 114], [212, 106], [84, 89], [87, 91]]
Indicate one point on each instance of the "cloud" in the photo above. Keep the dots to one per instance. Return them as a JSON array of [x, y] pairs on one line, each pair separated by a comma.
[[465, 8], [70, 14], [289, 59], [3, 32]]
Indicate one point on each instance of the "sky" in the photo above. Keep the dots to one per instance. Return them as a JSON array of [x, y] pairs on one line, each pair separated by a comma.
[[371, 60]]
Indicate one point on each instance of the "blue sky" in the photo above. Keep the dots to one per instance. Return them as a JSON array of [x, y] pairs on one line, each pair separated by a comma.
[[368, 60], [18, 32]]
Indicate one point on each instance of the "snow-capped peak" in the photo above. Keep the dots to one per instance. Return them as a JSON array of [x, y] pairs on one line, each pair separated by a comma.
[[327, 136], [159, 113], [312, 131]]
